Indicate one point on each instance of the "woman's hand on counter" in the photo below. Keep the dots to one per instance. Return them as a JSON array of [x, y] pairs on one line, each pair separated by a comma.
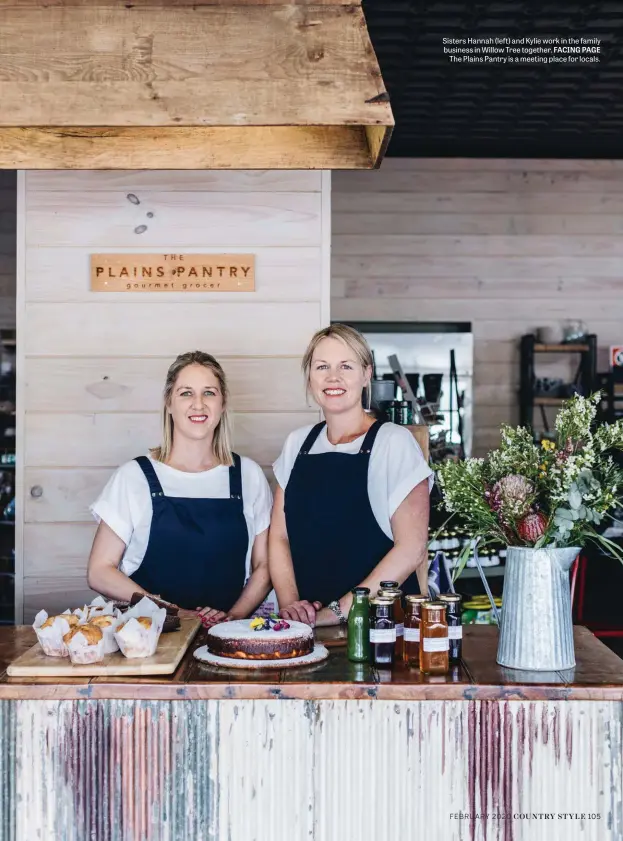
[[301, 611], [211, 616]]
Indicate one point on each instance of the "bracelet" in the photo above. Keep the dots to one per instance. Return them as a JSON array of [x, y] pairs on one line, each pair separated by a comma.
[[335, 607]]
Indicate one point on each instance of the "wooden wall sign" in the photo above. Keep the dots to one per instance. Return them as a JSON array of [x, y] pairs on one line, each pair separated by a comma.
[[172, 273]]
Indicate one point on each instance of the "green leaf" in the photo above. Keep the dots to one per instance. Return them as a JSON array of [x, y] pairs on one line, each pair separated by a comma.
[[614, 548], [462, 560], [575, 497]]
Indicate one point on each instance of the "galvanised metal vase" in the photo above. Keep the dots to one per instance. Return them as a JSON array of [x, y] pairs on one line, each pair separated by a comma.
[[536, 629]]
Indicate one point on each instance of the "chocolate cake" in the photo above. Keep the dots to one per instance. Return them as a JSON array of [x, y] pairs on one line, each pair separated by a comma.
[[239, 640]]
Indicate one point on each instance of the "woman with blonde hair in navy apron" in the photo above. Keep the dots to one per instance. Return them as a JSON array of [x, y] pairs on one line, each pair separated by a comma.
[[352, 503], [188, 522]]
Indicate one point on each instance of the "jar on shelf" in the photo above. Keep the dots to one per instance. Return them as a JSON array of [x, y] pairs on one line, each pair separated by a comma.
[[404, 414]]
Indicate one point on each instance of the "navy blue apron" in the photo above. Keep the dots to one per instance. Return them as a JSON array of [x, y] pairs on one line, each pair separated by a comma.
[[335, 540], [197, 549]]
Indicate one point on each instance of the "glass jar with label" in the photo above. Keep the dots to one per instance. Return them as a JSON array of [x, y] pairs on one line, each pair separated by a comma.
[[359, 626], [452, 602], [398, 616], [382, 632], [434, 643], [413, 615]]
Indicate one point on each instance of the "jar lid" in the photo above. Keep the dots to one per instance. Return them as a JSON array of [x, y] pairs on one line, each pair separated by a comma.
[[449, 597], [434, 605], [390, 592], [361, 591], [389, 585], [382, 601], [417, 597]]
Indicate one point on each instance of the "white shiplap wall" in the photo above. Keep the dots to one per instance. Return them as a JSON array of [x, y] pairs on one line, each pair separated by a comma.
[[94, 363], [506, 244]]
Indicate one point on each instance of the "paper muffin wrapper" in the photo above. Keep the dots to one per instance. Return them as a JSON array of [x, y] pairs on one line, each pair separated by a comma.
[[51, 639], [83, 654], [100, 607], [134, 640]]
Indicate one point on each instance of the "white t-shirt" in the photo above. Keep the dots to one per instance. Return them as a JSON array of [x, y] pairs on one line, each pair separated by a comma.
[[125, 503], [396, 466]]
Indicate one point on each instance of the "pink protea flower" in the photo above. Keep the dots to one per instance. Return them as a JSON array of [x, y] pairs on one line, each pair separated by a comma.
[[512, 496], [532, 527]]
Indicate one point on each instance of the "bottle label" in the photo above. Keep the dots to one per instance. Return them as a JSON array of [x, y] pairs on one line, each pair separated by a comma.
[[412, 634], [382, 635], [400, 629], [439, 644], [455, 632]]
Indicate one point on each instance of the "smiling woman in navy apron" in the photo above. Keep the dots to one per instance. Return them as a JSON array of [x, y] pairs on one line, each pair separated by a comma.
[[189, 522], [352, 504]]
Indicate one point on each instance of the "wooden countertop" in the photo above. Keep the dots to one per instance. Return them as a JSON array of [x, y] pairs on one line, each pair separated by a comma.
[[597, 676]]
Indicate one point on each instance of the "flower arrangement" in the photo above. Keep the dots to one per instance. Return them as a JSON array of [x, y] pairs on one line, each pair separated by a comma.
[[552, 494]]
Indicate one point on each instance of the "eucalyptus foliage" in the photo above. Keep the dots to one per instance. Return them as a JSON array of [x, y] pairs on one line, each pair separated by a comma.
[[555, 494]]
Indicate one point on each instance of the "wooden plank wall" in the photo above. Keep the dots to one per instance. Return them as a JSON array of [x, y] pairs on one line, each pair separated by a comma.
[[506, 244], [94, 363], [7, 248]]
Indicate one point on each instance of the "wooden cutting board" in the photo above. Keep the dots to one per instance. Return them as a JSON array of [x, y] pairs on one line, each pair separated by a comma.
[[171, 649]]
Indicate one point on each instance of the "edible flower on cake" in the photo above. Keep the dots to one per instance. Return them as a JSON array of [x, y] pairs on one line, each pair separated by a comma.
[[270, 623]]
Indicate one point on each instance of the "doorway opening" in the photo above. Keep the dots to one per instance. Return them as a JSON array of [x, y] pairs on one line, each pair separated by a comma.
[[8, 285]]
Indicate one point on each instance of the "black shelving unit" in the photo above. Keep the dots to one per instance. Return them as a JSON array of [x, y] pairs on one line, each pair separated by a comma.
[[7, 470], [611, 386], [585, 380]]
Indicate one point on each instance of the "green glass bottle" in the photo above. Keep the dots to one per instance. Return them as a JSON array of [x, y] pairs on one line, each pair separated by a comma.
[[359, 626]]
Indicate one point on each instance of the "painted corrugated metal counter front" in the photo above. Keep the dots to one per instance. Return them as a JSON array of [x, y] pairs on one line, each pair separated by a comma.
[[332, 752]]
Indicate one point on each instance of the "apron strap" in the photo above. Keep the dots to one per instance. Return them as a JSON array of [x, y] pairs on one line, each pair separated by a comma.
[[235, 478], [155, 488], [309, 441], [368, 441]]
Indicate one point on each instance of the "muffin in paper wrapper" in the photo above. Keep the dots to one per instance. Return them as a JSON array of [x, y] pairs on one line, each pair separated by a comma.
[[100, 607], [83, 654], [134, 640], [51, 639]]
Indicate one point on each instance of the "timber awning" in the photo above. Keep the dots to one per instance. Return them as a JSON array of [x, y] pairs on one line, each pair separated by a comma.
[[142, 84]]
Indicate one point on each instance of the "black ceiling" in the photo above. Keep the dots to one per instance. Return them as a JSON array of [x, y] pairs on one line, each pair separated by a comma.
[[445, 109]]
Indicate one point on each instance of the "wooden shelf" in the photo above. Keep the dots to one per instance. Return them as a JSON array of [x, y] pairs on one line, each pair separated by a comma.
[[561, 348], [549, 401], [472, 572]]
